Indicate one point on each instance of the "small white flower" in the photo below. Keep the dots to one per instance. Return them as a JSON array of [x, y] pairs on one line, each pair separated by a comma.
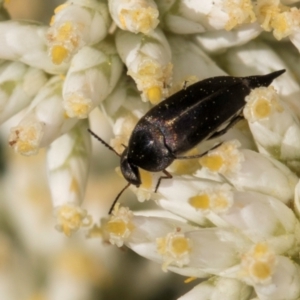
[[174, 195], [18, 85], [186, 17], [134, 15], [188, 61], [26, 42], [124, 227], [67, 163], [148, 59], [248, 170], [275, 127], [183, 248], [119, 227], [93, 74], [71, 217], [220, 40], [124, 101], [259, 58], [175, 249], [272, 276], [26, 137], [76, 23], [123, 108], [284, 280], [217, 200], [43, 122], [258, 265], [283, 20]]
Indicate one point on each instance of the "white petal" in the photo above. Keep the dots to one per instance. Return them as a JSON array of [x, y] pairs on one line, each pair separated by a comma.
[[219, 288]]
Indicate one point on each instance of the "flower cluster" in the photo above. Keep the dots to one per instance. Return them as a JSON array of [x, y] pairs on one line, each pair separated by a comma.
[[230, 217]]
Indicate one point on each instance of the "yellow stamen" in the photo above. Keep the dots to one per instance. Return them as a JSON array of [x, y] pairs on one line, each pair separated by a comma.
[[212, 162], [154, 94], [180, 245], [190, 279], [146, 178], [259, 263], [70, 218], [116, 227], [77, 106], [262, 108], [239, 12], [200, 201], [260, 249], [64, 32], [142, 19], [175, 249], [261, 270], [59, 54]]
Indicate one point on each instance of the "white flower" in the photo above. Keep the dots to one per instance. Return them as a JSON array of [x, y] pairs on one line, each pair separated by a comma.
[[283, 20], [148, 59], [68, 163], [38, 128], [18, 85], [93, 74], [190, 63], [75, 24], [220, 40], [186, 17], [176, 244], [275, 127], [134, 15], [26, 42], [248, 170], [259, 58]]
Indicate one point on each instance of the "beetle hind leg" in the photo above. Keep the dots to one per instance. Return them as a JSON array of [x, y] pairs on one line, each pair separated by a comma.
[[199, 155], [224, 130], [168, 176]]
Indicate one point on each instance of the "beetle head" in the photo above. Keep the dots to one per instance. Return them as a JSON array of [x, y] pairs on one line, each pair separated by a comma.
[[130, 172]]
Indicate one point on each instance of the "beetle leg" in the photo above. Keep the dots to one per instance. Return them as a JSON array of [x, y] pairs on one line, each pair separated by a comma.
[[216, 134], [185, 84], [199, 155], [168, 176], [231, 123]]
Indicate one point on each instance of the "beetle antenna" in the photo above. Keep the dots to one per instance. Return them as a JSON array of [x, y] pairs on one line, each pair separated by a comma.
[[117, 198], [102, 141]]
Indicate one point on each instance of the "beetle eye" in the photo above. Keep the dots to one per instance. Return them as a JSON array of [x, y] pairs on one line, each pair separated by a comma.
[[130, 171]]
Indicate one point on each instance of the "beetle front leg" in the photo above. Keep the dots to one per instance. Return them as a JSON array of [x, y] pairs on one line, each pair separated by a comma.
[[168, 176]]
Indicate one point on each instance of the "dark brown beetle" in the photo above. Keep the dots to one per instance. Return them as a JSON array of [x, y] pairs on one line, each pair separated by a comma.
[[204, 110]]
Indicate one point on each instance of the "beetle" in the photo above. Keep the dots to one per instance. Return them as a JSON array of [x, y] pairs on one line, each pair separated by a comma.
[[201, 111]]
